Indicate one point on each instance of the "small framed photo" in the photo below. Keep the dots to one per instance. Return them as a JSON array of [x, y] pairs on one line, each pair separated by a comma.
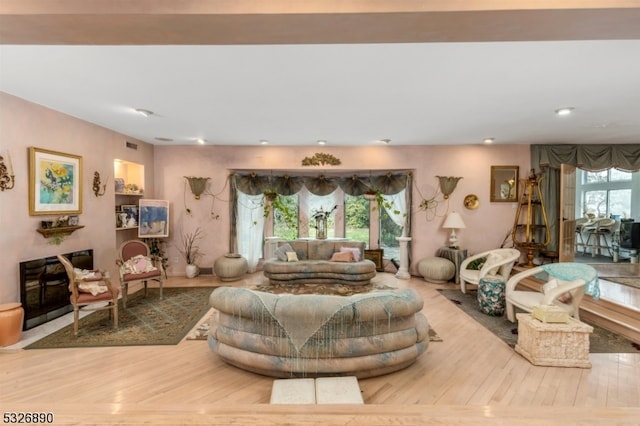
[[74, 220], [376, 257], [129, 215], [154, 219], [119, 185], [55, 182]]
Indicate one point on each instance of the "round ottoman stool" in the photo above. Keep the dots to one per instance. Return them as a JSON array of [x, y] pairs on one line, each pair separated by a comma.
[[436, 269], [230, 267], [491, 296], [11, 316]]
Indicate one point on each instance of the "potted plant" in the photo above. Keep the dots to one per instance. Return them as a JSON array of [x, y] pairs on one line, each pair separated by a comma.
[[272, 203], [191, 251]]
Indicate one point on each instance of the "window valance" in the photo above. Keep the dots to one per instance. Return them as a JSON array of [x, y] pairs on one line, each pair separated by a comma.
[[388, 183], [599, 157]]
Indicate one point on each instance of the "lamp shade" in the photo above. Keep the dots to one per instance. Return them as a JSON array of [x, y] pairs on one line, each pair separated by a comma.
[[454, 221]]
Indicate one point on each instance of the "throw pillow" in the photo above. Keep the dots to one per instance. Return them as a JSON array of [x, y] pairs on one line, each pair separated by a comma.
[[550, 285], [477, 264], [292, 256], [565, 297], [342, 256], [492, 259], [281, 252], [137, 265], [354, 250]]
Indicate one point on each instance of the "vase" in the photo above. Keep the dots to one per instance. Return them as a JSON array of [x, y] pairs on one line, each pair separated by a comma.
[[191, 270]]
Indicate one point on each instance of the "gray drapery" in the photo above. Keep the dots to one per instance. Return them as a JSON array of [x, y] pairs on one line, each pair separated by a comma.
[[286, 183], [388, 183], [548, 158]]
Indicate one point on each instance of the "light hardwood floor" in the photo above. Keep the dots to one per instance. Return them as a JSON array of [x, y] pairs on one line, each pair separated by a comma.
[[470, 378]]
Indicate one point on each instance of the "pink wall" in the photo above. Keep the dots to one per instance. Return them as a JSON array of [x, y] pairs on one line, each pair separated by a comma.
[[486, 226], [23, 124]]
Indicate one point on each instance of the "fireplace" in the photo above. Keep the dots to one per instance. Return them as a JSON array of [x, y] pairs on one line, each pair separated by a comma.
[[44, 285]]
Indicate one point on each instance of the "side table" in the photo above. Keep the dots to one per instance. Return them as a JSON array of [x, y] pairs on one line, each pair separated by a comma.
[[456, 255]]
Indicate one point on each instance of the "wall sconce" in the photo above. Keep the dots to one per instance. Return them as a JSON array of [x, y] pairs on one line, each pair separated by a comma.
[[197, 185], [448, 184], [96, 185], [7, 178]]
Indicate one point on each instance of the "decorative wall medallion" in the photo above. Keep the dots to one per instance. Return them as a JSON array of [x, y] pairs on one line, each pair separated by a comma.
[[321, 159], [471, 201]]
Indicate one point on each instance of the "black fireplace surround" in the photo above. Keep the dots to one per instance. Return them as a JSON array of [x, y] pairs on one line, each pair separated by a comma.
[[44, 292]]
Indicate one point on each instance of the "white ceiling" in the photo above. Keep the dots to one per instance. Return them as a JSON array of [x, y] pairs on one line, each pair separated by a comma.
[[346, 94]]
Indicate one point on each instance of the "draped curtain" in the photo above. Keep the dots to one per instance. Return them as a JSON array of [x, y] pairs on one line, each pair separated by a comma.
[[548, 158], [253, 184]]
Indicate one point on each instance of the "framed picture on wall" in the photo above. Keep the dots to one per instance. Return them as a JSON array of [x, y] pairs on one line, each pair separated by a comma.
[[153, 221], [376, 257], [55, 182]]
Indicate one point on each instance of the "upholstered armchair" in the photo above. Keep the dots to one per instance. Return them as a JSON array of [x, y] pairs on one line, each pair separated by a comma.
[[137, 264], [90, 291], [566, 285], [495, 264]]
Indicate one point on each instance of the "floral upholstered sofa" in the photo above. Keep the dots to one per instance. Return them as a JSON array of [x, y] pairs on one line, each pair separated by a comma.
[[319, 262]]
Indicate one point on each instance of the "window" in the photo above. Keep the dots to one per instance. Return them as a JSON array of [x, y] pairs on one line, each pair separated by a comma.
[[605, 193], [262, 214], [351, 219], [358, 216]]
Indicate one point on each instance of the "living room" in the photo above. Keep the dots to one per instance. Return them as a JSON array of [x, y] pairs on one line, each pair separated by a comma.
[[26, 124]]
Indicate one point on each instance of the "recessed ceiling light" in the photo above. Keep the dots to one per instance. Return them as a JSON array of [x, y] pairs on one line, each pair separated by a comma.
[[322, 142], [264, 142], [384, 141], [201, 141], [144, 112], [564, 111], [489, 140]]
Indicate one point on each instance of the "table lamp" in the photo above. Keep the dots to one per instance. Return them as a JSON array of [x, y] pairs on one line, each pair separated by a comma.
[[453, 222]]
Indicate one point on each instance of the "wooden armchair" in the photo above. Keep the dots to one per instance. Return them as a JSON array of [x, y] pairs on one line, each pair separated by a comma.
[[133, 259], [90, 292]]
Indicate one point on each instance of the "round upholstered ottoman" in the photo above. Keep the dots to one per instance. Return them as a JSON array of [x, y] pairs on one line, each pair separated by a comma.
[[436, 269], [11, 317], [230, 267]]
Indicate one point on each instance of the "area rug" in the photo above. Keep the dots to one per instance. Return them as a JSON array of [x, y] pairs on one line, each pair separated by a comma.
[[146, 321], [600, 341], [202, 333]]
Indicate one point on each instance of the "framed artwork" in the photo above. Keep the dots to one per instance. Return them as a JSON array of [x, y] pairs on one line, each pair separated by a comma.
[[55, 182], [504, 184], [153, 219], [376, 257]]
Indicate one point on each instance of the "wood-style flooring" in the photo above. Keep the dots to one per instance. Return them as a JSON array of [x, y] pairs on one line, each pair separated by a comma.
[[470, 378]]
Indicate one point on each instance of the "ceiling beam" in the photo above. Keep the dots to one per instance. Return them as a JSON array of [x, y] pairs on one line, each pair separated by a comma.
[[211, 22]]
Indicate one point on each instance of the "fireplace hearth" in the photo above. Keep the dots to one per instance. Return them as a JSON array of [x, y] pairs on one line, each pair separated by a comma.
[[44, 287]]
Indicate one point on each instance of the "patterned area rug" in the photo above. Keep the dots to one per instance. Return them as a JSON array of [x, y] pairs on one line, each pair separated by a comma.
[[600, 341], [146, 321]]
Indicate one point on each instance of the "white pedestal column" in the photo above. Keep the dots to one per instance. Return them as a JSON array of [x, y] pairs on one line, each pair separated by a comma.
[[403, 270]]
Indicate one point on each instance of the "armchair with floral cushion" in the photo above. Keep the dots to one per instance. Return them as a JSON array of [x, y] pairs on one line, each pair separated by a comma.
[[495, 264], [138, 264]]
